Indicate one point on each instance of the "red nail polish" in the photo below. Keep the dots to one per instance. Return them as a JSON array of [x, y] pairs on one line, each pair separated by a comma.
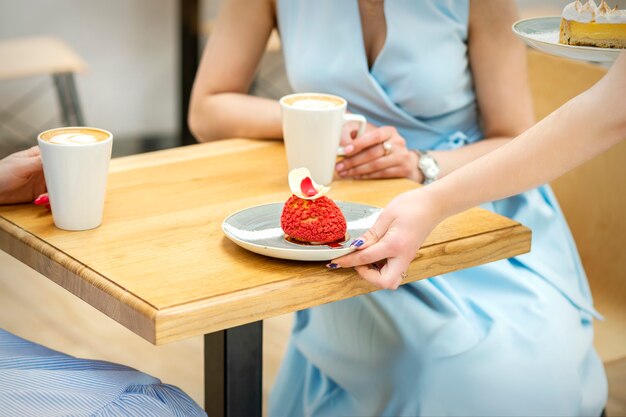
[[42, 200]]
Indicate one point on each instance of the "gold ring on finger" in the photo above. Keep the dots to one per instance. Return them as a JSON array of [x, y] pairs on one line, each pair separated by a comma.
[[386, 147]]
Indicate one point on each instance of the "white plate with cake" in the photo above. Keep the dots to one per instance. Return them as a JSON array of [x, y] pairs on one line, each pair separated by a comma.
[[258, 229], [308, 227], [584, 31]]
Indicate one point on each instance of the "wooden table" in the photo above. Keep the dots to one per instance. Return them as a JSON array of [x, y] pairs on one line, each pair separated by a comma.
[[161, 266]]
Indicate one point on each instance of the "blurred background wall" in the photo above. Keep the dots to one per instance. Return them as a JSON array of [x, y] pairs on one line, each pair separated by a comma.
[[131, 51]]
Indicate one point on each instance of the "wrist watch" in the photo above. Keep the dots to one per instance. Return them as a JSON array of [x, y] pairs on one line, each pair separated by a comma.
[[428, 166]]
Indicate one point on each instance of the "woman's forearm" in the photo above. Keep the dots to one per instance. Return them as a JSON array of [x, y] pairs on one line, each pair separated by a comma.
[[220, 106], [584, 127], [449, 161], [229, 115]]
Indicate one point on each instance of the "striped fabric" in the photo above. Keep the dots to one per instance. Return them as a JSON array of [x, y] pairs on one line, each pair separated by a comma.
[[37, 381]]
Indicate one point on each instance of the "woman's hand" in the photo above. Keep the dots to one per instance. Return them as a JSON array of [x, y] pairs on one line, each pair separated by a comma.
[[379, 153], [395, 237], [21, 177], [350, 131]]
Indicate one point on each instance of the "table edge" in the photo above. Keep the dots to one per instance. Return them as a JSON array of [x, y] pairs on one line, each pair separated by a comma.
[[116, 302], [209, 315]]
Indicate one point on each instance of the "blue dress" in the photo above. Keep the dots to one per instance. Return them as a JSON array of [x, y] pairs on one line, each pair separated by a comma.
[[39, 382], [512, 337]]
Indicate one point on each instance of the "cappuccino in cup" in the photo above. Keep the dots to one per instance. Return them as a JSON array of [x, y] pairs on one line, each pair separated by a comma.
[[74, 136], [314, 102], [312, 124], [76, 165]]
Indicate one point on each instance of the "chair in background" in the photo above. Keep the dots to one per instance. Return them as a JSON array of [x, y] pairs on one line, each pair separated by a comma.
[[593, 199], [36, 56]]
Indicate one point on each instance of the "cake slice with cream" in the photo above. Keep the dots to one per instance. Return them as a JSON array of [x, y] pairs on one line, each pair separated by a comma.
[[591, 25]]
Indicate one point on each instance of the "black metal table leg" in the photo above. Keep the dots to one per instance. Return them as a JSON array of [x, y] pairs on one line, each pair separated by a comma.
[[233, 371], [189, 59]]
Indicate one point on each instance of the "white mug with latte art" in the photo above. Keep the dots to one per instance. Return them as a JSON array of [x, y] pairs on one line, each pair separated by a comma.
[[312, 124], [76, 166]]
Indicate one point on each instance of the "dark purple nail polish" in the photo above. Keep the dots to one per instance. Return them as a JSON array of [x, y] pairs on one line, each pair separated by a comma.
[[332, 266], [375, 266], [357, 243]]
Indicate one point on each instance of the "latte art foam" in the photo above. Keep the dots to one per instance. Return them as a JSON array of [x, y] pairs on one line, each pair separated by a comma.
[[313, 104], [74, 136], [313, 101], [73, 139]]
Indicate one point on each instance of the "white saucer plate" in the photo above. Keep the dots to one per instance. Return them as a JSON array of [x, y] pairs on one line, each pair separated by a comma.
[[542, 33], [257, 229]]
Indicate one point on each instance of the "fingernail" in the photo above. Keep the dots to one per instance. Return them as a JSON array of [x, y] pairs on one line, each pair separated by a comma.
[[339, 167], [348, 148], [375, 266], [357, 243], [332, 266], [42, 200]]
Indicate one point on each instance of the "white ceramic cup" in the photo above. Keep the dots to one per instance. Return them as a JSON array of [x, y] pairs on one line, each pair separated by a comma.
[[312, 124], [76, 166]]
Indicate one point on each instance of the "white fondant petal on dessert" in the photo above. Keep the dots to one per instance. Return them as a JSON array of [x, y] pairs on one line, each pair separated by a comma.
[[295, 180]]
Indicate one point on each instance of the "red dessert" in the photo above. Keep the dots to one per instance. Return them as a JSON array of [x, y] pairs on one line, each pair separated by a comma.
[[310, 217], [313, 221]]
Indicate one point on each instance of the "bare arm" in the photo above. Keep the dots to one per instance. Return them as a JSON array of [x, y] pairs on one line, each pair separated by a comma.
[[498, 63], [220, 106], [584, 127]]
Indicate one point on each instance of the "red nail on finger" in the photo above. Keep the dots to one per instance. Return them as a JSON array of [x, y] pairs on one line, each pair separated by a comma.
[[42, 200]]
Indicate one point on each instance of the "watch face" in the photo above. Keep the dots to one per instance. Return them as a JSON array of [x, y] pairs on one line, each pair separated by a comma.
[[429, 167], [432, 172]]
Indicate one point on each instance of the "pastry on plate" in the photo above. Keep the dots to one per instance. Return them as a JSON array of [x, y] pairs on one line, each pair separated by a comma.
[[587, 24], [309, 216]]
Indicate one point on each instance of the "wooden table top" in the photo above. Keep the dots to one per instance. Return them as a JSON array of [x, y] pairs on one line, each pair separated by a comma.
[[162, 267]]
